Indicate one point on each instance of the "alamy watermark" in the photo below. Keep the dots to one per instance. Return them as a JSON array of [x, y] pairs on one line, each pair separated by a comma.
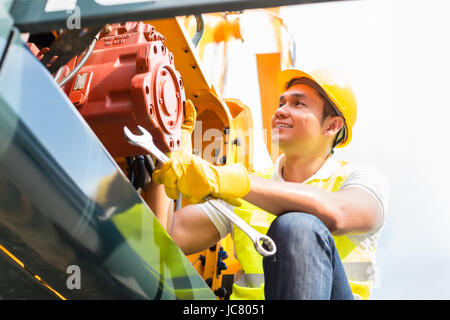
[[213, 144], [74, 280], [74, 19]]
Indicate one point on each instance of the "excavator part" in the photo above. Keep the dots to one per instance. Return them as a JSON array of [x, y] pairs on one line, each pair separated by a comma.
[[269, 65], [64, 202], [130, 79]]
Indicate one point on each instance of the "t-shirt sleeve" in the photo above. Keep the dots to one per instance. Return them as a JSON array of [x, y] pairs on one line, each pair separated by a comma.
[[223, 225], [374, 182]]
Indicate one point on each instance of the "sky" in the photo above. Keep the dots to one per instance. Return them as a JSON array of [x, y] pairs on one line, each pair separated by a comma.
[[396, 54]]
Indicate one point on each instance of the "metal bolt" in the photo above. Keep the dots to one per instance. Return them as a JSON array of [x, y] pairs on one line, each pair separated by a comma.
[[107, 29], [237, 141]]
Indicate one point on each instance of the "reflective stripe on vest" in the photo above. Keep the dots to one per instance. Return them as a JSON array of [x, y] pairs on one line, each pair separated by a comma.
[[358, 265]]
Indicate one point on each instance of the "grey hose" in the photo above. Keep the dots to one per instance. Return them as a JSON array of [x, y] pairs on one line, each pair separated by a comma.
[[82, 62], [200, 29], [58, 73]]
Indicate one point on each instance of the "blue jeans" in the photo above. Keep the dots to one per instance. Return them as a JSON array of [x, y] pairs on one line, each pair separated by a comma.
[[307, 264]]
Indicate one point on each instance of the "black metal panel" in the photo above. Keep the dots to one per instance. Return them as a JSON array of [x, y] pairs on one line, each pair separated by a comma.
[[15, 281], [65, 202], [30, 15]]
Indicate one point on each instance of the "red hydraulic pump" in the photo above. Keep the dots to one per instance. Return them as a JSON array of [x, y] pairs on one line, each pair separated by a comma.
[[129, 80]]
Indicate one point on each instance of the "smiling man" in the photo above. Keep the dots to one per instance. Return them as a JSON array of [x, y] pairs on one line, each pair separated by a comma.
[[324, 215]]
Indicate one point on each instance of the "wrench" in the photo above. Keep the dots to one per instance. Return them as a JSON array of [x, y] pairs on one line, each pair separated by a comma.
[[264, 245]]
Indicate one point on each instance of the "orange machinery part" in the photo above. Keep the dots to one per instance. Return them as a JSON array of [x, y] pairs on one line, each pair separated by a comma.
[[130, 79], [269, 65]]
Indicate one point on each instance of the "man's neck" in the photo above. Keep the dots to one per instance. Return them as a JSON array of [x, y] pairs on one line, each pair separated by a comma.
[[299, 168]]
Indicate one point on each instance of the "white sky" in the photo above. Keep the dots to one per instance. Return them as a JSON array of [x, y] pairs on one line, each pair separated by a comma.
[[397, 56]]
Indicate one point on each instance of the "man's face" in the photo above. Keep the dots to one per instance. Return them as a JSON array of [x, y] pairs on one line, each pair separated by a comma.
[[297, 123]]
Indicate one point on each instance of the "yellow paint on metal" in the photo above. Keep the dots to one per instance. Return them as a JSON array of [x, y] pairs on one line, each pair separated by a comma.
[[269, 66], [242, 142], [233, 264], [212, 110], [227, 119], [226, 30], [223, 27]]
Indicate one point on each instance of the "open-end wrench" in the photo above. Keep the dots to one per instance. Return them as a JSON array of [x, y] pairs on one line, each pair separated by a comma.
[[264, 245]]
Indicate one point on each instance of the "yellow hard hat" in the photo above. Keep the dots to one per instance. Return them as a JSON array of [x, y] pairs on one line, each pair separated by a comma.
[[336, 90]]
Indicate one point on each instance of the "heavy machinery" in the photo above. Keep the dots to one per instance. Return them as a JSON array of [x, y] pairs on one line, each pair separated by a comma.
[[75, 223]]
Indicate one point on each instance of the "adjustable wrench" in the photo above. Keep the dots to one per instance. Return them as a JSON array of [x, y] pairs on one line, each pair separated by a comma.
[[264, 245]]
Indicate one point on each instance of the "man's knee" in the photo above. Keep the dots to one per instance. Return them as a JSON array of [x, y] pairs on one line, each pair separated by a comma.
[[298, 225]]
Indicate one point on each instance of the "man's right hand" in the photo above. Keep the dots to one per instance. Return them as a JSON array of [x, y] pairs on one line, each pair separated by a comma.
[[196, 178]]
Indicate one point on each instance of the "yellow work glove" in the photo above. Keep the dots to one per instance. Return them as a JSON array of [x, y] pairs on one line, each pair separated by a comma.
[[196, 178], [190, 116]]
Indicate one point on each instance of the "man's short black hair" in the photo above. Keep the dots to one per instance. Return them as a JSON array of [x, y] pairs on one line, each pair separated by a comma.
[[330, 111]]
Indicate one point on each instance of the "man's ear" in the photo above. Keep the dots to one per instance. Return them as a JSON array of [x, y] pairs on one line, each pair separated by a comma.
[[332, 125]]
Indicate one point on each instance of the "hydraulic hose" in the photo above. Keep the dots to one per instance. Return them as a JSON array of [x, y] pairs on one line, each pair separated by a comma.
[[81, 63], [200, 30]]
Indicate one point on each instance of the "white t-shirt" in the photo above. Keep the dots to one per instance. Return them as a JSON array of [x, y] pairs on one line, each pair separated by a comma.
[[365, 177]]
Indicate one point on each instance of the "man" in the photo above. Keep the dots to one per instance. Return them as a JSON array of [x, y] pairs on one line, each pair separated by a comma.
[[324, 215]]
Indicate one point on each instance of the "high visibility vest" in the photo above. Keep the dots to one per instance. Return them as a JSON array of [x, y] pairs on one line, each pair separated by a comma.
[[164, 268], [358, 263]]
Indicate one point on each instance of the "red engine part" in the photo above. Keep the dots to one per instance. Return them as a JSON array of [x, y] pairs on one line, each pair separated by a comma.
[[129, 80]]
